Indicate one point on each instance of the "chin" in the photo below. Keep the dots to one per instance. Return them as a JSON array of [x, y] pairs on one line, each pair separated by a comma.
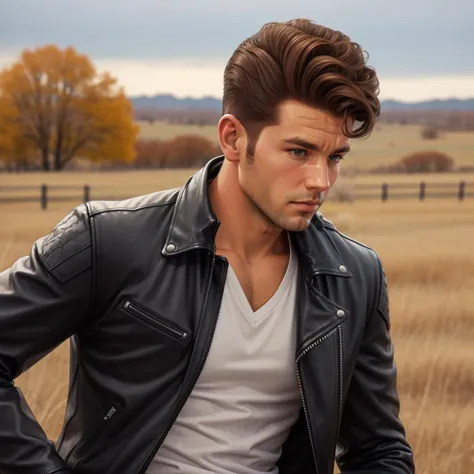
[[296, 224]]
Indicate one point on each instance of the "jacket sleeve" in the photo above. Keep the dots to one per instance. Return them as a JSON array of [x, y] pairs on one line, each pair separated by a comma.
[[44, 296], [372, 438]]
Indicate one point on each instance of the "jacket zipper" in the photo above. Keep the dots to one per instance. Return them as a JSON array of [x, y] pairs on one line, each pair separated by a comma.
[[341, 375], [183, 401], [86, 442], [311, 346], [165, 327]]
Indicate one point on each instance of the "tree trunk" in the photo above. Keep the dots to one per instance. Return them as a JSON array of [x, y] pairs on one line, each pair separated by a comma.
[[45, 159], [62, 162], [57, 162], [58, 148]]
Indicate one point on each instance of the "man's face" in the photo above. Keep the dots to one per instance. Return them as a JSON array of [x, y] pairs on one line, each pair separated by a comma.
[[294, 166]]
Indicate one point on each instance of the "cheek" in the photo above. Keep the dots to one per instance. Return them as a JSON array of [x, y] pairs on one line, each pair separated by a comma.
[[277, 173], [333, 173], [285, 184]]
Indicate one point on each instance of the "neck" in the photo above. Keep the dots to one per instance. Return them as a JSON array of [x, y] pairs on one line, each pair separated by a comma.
[[243, 230]]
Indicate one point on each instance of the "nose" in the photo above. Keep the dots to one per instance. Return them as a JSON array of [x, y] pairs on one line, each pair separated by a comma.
[[317, 177]]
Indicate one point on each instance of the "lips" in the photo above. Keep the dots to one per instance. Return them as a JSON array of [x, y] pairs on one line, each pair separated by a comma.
[[307, 206]]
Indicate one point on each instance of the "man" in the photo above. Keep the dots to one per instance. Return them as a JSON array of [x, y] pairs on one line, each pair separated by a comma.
[[225, 326]]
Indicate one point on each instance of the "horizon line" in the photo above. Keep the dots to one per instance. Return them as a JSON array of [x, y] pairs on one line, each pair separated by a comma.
[[204, 97]]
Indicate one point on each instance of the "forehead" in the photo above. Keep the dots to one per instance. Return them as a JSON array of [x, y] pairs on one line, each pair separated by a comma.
[[296, 116]]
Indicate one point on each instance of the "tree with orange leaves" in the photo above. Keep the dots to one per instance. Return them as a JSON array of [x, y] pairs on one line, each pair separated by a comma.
[[54, 107]]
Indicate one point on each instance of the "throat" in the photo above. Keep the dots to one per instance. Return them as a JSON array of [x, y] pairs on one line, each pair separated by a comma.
[[260, 278]]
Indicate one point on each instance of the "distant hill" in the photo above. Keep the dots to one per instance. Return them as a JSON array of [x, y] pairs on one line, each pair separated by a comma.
[[446, 104], [168, 101]]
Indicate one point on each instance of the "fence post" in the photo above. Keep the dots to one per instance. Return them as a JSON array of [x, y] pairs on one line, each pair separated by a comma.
[[44, 196], [87, 192], [384, 192], [462, 190], [422, 190]]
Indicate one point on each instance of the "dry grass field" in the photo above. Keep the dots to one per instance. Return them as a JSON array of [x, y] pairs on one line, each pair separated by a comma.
[[428, 252], [387, 144]]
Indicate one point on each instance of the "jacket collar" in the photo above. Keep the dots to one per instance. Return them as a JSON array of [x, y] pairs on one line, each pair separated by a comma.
[[194, 226]]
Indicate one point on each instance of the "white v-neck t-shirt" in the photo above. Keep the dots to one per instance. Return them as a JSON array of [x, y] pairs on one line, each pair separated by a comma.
[[247, 397]]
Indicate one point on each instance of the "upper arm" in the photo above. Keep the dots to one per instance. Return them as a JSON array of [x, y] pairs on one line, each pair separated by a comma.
[[45, 295]]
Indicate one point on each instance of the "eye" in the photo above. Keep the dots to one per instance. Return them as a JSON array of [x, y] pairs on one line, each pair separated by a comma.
[[336, 158], [298, 152]]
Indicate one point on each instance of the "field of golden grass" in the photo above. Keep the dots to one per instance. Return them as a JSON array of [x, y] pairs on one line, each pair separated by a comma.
[[387, 144], [427, 250]]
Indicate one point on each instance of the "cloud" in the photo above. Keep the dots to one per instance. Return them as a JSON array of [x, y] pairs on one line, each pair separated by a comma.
[[402, 38]]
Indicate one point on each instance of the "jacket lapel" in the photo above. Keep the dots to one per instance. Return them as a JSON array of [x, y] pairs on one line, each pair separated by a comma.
[[318, 311], [319, 337]]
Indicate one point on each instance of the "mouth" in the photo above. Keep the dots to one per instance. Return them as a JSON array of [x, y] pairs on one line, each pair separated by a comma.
[[310, 203], [307, 206]]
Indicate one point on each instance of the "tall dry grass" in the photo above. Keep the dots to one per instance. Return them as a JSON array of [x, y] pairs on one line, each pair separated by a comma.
[[428, 253]]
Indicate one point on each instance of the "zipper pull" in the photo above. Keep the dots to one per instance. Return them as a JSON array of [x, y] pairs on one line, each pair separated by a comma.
[[110, 414]]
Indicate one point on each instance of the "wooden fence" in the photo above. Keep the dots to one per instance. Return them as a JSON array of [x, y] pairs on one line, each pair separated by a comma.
[[419, 191], [45, 194]]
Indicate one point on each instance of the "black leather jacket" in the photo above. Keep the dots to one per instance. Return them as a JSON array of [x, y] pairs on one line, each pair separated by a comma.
[[137, 286]]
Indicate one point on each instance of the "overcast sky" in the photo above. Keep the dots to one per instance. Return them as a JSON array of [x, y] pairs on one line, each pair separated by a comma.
[[420, 48]]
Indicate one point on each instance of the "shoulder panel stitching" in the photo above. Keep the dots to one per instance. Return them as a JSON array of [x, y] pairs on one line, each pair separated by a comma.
[[69, 257], [139, 208]]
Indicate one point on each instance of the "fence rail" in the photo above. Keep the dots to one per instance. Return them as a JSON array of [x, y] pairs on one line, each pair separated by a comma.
[[420, 191], [384, 192]]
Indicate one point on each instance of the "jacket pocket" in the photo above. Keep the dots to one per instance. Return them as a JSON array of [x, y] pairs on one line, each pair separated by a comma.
[[93, 435], [172, 330]]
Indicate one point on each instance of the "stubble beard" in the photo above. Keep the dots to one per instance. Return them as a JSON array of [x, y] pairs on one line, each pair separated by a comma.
[[282, 222]]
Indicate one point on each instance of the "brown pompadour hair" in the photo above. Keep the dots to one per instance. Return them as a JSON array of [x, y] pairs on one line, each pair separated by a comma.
[[304, 61]]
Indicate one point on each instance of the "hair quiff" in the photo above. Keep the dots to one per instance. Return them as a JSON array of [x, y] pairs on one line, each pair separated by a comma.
[[300, 60]]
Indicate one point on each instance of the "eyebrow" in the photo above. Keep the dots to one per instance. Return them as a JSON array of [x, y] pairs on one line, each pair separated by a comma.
[[311, 146]]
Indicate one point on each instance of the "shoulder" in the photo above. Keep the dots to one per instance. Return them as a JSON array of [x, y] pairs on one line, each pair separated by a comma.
[[67, 250], [118, 224], [349, 246], [158, 201]]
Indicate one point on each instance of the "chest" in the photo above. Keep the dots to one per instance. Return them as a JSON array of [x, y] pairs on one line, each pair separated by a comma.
[[254, 349]]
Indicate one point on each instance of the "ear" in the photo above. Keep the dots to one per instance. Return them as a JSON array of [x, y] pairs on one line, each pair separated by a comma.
[[232, 137]]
